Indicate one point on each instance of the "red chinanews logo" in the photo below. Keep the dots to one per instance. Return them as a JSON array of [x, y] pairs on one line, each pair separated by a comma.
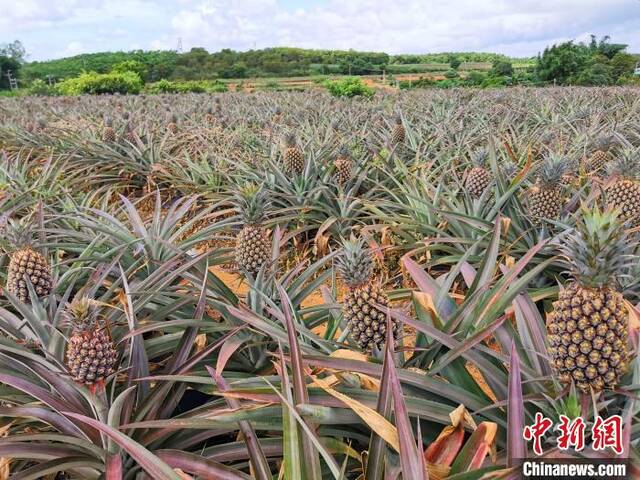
[[605, 433]]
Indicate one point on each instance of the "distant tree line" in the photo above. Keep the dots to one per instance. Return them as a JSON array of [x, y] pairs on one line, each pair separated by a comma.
[[198, 63], [598, 62]]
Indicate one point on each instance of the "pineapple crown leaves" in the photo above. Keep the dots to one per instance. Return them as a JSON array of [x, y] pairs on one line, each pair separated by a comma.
[[15, 234], [355, 262], [510, 169], [344, 152], [172, 117], [251, 202], [552, 169], [597, 251], [480, 157], [290, 140], [626, 165], [547, 137], [82, 314], [397, 119], [603, 142]]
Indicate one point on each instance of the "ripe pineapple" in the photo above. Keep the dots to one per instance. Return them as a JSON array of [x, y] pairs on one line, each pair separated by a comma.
[[277, 115], [398, 134], [601, 156], [546, 196], [91, 356], [293, 158], [109, 133], [367, 323], [24, 262], [478, 178], [208, 117], [587, 328], [624, 192], [130, 134], [172, 125], [253, 247], [343, 165]]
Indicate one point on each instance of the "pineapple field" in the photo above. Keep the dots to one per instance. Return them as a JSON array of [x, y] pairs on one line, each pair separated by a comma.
[[288, 285]]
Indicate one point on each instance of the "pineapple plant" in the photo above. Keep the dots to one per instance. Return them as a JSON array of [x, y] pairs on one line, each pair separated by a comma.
[[26, 263], [277, 115], [478, 177], [510, 170], [546, 197], [398, 134], [364, 303], [587, 328], [293, 157], [253, 247], [343, 165], [601, 156], [130, 134], [91, 355], [208, 117], [624, 191], [109, 133], [172, 124]]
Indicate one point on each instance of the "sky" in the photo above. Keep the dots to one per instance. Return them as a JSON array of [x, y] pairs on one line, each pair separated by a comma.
[[520, 28]]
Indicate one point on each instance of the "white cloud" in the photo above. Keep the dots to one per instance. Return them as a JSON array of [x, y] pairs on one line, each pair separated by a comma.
[[72, 48], [517, 27]]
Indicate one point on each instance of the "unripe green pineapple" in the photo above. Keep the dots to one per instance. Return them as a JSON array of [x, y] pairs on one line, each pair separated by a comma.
[[293, 157], [587, 328], [366, 321], [478, 178], [546, 197], [624, 192], [26, 264], [253, 247], [91, 356], [343, 165], [398, 134]]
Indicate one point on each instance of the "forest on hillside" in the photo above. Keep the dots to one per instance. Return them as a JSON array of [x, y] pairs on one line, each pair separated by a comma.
[[598, 62], [198, 63]]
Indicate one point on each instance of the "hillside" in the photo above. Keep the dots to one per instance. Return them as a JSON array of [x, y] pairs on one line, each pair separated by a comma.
[[198, 63]]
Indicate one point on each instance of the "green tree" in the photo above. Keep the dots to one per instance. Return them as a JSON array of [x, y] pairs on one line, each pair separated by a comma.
[[502, 68], [14, 50], [603, 47], [563, 63], [454, 62], [8, 64], [622, 64], [130, 66], [597, 73]]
